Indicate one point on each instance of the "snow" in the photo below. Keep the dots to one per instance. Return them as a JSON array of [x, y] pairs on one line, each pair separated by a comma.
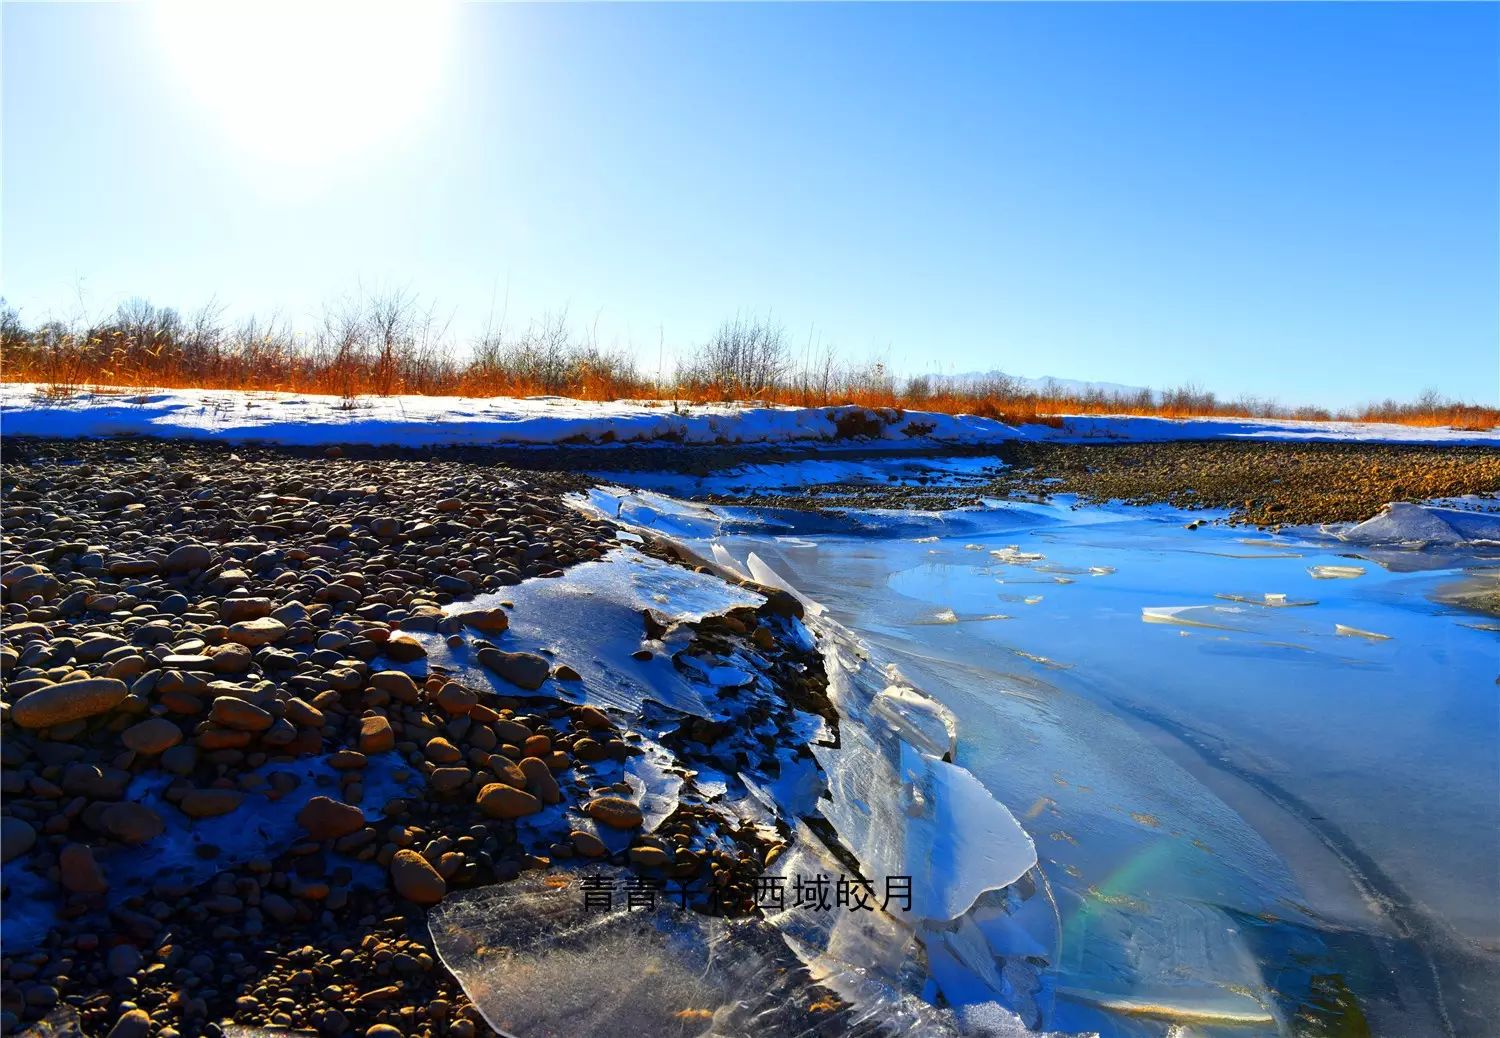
[[1421, 526], [431, 421]]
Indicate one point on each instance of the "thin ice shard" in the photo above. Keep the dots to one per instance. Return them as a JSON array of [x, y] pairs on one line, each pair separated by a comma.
[[1335, 572]]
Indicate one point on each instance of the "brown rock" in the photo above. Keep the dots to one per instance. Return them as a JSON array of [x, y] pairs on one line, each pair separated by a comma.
[[17, 837], [210, 803], [449, 780], [524, 669], [152, 736], [501, 801], [240, 715], [403, 648], [415, 879], [454, 699], [507, 771], [80, 872], [230, 658], [375, 735], [131, 823], [398, 684], [134, 1023], [650, 857], [490, 621], [587, 844], [441, 751], [327, 819], [539, 780], [68, 701], [301, 712], [614, 812], [260, 631], [188, 558], [233, 610]]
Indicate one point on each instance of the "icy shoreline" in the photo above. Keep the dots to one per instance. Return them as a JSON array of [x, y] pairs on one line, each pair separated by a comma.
[[27, 409]]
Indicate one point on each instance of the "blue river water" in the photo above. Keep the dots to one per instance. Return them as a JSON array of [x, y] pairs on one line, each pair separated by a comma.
[[1260, 770]]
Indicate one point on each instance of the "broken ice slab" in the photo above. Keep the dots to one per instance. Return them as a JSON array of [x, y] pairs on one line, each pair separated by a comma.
[[1013, 555], [1356, 632], [1222, 618], [903, 812], [1335, 572], [917, 718], [1272, 600], [1184, 962], [537, 963], [592, 622]]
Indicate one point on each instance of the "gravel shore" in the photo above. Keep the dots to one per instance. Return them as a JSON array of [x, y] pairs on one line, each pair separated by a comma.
[[1265, 484], [205, 621]]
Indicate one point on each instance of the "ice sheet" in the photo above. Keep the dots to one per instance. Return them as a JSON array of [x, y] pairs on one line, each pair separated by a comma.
[[1421, 526], [592, 622], [538, 963], [906, 813]]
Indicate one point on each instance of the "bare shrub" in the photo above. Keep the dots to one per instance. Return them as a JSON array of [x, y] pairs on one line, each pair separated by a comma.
[[390, 343], [746, 358]]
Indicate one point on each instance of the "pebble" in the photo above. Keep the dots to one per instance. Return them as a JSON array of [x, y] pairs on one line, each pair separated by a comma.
[[614, 812], [68, 701], [415, 879], [327, 819], [499, 800]]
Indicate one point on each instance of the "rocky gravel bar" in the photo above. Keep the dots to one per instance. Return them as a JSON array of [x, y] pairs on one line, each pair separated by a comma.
[[1267, 484], [204, 621]]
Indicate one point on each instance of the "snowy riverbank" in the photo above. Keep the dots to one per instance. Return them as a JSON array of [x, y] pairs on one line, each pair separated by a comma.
[[431, 421]]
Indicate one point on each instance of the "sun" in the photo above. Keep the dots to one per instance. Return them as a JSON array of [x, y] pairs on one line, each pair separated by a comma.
[[312, 81]]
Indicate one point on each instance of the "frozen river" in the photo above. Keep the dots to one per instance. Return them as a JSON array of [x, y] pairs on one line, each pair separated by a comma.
[[1261, 771]]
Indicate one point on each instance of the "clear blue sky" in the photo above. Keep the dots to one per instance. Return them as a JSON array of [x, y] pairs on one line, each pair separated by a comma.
[[1296, 201]]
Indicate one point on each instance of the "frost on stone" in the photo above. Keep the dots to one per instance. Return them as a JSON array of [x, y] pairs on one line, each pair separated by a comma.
[[592, 622], [537, 963], [1335, 572]]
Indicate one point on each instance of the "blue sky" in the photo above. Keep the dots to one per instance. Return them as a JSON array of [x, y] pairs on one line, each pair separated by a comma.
[[1297, 201]]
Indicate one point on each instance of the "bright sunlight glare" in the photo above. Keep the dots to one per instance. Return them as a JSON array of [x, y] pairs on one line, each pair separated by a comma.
[[306, 83]]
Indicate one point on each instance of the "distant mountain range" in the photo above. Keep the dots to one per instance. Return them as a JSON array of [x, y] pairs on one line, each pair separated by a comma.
[[1045, 384]]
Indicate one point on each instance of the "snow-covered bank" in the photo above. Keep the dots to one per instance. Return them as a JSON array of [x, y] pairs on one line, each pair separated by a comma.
[[430, 421]]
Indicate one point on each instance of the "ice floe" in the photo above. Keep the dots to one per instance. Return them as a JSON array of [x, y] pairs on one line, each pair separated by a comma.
[[1420, 526]]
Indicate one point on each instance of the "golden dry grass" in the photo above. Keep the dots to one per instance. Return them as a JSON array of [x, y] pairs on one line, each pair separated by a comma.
[[375, 352]]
